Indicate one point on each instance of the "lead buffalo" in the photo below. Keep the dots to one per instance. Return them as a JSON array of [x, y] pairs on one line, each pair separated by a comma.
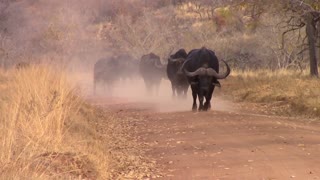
[[152, 71], [179, 81], [202, 69]]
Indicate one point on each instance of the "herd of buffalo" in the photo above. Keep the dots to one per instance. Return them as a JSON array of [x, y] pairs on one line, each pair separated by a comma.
[[198, 69]]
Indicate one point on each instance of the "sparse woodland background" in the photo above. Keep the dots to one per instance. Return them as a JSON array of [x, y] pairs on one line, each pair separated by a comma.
[[47, 131], [248, 34]]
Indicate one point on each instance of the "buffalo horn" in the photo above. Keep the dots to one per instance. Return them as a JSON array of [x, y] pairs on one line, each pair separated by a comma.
[[174, 60], [160, 66], [199, 71], [212, 72], [216, 84]]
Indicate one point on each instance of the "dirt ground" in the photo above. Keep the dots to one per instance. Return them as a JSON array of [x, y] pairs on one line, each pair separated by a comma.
[[232, 141]]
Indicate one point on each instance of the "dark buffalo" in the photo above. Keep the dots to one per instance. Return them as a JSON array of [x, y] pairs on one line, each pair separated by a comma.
[[105, 73], [152, 71], [129, 67], [202, 70], [179, 81]]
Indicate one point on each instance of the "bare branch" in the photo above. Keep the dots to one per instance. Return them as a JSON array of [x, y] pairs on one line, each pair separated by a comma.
[[290, 30], [303, 50]]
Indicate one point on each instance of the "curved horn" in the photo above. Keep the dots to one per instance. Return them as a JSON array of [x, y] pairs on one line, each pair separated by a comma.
[[175, 60], [212, 72], [199, 71], [160, 66], [172, 60], [184, 63]]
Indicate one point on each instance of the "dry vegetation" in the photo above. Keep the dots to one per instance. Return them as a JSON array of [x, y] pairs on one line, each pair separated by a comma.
[[269, 67], [283, 92], [48, 132]]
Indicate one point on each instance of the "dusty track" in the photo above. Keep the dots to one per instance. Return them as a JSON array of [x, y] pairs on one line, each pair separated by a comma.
[[228, 143], [233, 141]]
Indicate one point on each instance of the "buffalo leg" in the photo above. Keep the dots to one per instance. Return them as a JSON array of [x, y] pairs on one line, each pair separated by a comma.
[[148, 87], [94, 87], [178, 91], [173, 89], [156, 86], [185, 91], [207, 105], [201, 98], [194, 95], [108, 88], [194, 106], [182, 92]]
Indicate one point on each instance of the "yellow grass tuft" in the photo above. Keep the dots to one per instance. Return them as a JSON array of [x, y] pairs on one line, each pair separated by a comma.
[[296, 90], [39, 116]]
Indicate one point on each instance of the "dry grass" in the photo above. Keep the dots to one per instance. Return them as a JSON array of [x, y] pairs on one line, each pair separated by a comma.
[[36, 111], [48, 132], [286, 91]]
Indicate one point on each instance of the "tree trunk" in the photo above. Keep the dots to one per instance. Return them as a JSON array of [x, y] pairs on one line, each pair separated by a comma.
[[318, 35], [311, 31]]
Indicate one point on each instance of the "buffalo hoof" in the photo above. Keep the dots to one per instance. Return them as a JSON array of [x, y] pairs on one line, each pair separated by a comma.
[[194, 107], [201, 108], [206, 109], [207, 106]]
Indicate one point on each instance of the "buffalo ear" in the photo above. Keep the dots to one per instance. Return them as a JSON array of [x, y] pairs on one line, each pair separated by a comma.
[[216, 84]]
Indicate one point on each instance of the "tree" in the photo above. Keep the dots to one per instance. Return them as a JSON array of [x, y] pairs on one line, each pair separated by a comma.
[[305, 14], [149, 33]]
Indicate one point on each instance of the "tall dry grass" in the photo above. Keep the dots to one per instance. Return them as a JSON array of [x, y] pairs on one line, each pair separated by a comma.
[[295, 91], [40, 125]]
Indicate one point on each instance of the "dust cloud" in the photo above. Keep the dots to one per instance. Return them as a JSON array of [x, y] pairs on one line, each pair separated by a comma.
[[163, 101], [133, 92], [67, 33]]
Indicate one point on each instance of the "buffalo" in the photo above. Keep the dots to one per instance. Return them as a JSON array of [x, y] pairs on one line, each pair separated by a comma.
[[152, 71], [105, 73], [179, 81], [129, 67], [202, 70]]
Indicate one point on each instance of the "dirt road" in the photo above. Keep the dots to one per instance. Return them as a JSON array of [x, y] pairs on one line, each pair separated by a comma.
[[225, 143]]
